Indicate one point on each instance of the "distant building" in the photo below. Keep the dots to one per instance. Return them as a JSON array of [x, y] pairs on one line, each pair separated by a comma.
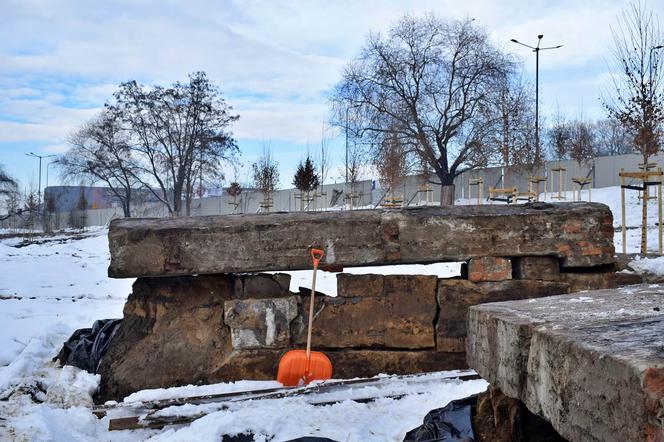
[[66, 197]]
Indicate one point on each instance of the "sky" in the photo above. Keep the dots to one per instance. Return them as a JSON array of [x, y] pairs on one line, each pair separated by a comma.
[[275, 61]]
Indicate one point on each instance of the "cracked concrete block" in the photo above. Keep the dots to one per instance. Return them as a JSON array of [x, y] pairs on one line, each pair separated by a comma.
[[580, 234], [589, 363]]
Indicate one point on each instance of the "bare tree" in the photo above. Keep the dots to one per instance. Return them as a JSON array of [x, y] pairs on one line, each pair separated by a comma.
[[356, 168], [431, 78], [9, 193], [7, 183], [512, 137], [638, 94], [582, 146], [324, 155], [392, 163], [612, 138], [100, 152], [560, 138], [637, 100], [266, 174], [180, 133]]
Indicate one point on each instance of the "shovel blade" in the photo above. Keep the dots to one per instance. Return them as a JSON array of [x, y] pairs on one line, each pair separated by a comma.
[[296, 370]]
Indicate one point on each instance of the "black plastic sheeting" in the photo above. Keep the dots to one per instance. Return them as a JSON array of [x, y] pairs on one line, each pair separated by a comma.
[[86, 346], [452, 423]]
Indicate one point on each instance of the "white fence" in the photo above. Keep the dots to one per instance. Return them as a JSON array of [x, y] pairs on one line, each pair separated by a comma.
[[602, 170]]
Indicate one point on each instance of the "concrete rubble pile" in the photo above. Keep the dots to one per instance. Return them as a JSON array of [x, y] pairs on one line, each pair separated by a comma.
[[199, 312]]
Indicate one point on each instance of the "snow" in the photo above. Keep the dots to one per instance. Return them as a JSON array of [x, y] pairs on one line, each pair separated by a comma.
[[60, 281], [58, 284], [653, 266], [199, 390], [288, 418]]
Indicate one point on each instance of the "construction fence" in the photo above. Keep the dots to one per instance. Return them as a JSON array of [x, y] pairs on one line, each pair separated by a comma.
[[555, 176]]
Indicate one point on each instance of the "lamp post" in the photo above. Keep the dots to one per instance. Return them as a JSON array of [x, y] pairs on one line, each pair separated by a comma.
[[32, 154], [536, 50]]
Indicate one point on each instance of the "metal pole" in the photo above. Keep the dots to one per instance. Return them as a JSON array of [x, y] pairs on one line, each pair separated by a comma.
[[622, 212], [39, 189], [537, 140], [536, 50]]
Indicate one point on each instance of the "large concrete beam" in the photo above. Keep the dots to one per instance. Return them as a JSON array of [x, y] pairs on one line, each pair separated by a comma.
[[580, 234], [590, 363]]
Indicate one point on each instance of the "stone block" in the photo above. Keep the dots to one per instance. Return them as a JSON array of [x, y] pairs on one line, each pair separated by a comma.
[[402, 317], [546, 268], [628, 278], [589, 280], [451, 345], [591, 363], [456, 296], [402, 287], [260, 323], [172, 334], [349, 285], [364, 363], [409, 303], [489, 268], [262, 285], [580, 234]]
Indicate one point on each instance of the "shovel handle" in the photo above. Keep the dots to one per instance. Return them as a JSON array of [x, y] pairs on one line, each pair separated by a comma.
[[316, 256]]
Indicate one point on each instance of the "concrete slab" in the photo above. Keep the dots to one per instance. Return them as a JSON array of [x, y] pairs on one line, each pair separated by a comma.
[[579, 234], [591, 363]]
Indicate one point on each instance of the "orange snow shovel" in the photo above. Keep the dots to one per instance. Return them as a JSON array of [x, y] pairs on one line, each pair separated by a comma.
[[299, 367]]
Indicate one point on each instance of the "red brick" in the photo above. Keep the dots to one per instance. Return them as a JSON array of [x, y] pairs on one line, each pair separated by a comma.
[[489, 268]]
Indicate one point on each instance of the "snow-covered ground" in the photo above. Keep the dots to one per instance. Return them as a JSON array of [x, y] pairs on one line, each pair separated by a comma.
[[58, 284], [50, 288]]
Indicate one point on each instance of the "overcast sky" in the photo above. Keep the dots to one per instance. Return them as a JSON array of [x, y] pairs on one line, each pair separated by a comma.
[[274, 60]]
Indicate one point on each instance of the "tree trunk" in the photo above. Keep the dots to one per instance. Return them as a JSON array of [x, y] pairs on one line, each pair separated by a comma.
[[447, 189], [177, 201], [126, 207], [447, 194]]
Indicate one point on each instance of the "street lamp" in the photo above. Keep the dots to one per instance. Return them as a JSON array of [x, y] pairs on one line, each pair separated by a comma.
[[32, 154], [536, 50]]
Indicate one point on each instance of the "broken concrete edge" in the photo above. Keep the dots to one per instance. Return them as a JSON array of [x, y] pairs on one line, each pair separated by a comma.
[[586, 362], [580, 234]]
